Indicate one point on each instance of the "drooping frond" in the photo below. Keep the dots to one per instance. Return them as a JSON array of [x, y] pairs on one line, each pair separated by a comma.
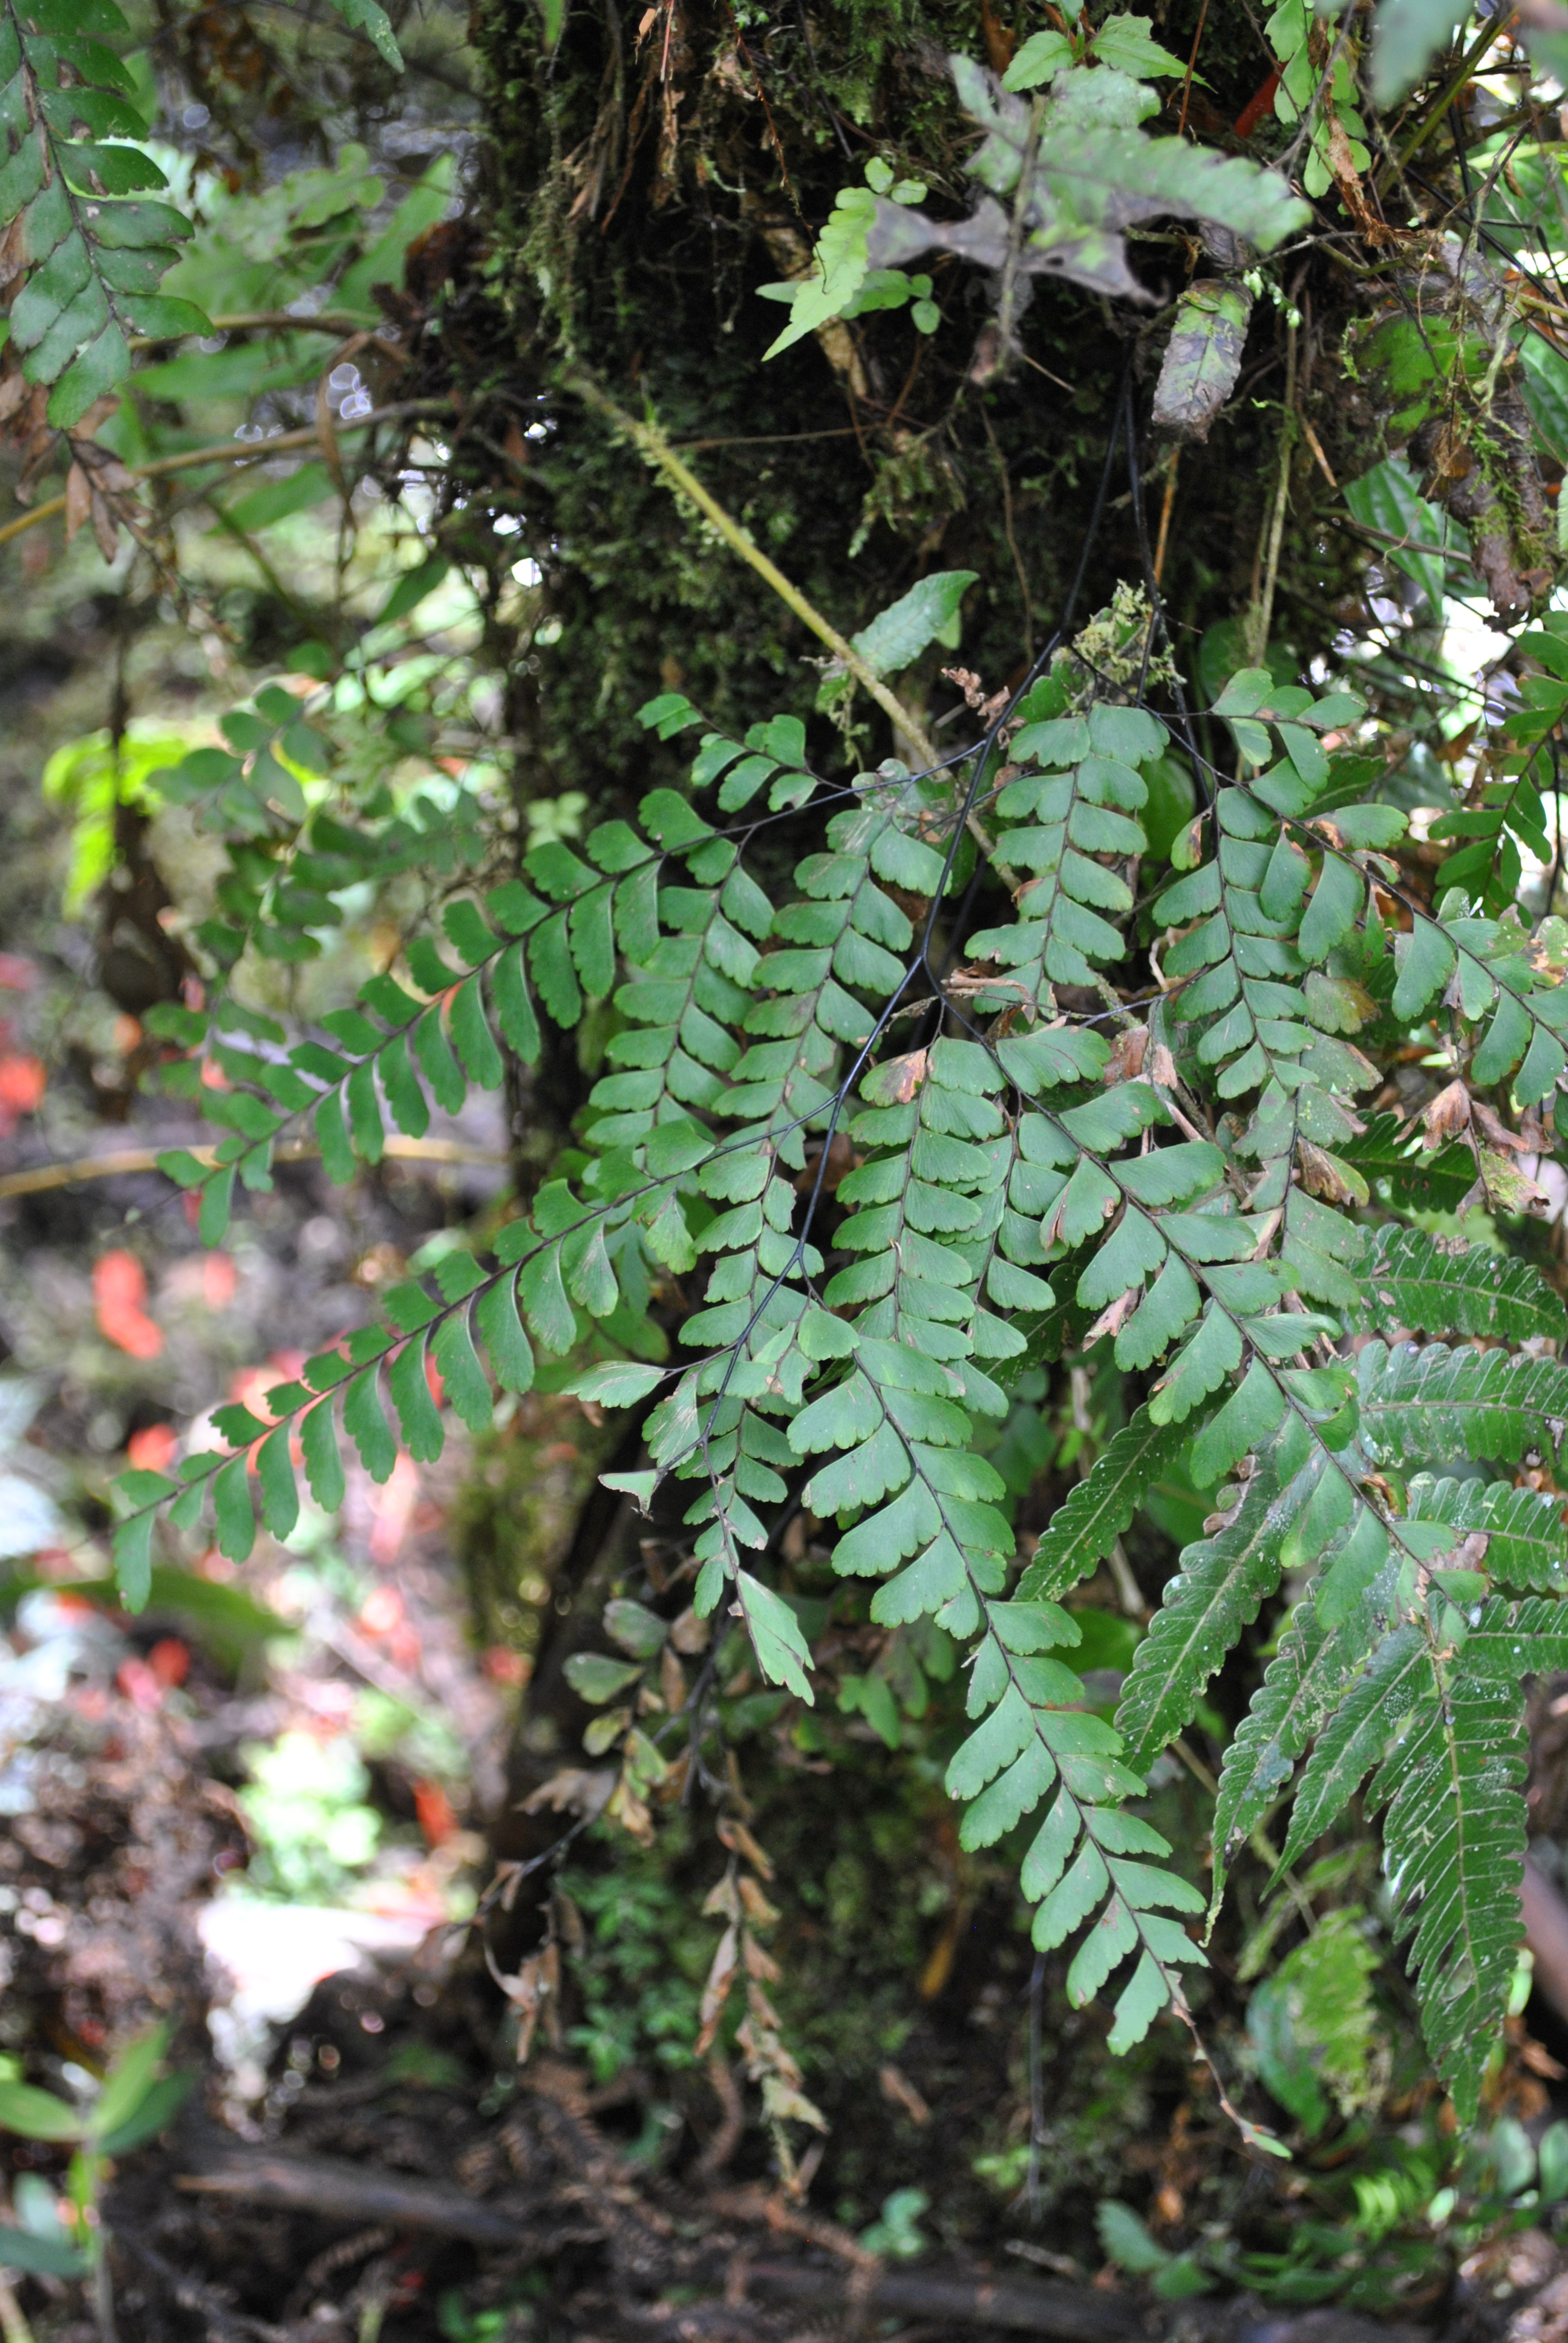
[[1217, 1592], [1304, 1683], [1005, 1183], [1357, 1734]]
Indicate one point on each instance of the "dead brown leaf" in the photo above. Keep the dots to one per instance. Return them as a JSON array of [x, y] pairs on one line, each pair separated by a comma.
[[1495, 1131], [577, 1789], [758, 1911], [13, 252], [1112, 1319], [1328, 1176], [735, 1836], [901, 1078], [535, 1993], [105, 528], [690, 1634], [760, 1962], [716, 1991], [1127, 1054], [1505, 1186], [1446, 1115], [79, 500]]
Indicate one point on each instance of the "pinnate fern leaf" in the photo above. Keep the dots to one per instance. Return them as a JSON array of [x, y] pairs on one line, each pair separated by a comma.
[[1422, 1402], [1093, 1515], [1304, 1684], [1221, 1582], [1520, 1533]]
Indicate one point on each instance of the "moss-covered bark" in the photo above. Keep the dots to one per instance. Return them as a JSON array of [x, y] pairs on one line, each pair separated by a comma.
[[643, 181]]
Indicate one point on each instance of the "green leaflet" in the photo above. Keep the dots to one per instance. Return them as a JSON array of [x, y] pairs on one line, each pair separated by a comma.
[[1515, 1640], [1526, 1537], [368, 17], [1420, 1403], [1390, 1154], [1304, 1684], [1356, 1736]]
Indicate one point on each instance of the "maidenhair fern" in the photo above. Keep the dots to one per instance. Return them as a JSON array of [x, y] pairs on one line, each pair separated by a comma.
[[1199, 1193]]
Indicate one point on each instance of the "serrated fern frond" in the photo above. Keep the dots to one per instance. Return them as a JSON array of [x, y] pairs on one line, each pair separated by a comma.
[[1521, 1535], [1430, 1285], [1420, 1402], [1304, 1684], [983, 1182], [1222, 1582], [1389, 1154], [1453, 1848]]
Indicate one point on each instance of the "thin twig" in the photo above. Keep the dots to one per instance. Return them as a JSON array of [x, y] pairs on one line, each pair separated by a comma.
[[42, 1177], [1262, 613], [1021, 572], [1191, 69], [324, 321], [766, 439], [243, 451], [1165, 514]]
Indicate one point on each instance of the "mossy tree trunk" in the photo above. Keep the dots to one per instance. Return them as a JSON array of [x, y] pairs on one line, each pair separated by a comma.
[[643, 180]]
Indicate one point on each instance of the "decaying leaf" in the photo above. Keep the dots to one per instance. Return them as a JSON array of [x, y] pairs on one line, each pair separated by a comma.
[[1330, 1176], [534, 1992], [716, 1991], [1127, 1054], [577, 1789], [1202, 357], [79, 500], [1505, 1187], [1446, 1115]]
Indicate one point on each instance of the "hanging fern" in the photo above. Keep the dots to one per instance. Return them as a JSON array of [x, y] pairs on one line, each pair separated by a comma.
[[1005, 1166]]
